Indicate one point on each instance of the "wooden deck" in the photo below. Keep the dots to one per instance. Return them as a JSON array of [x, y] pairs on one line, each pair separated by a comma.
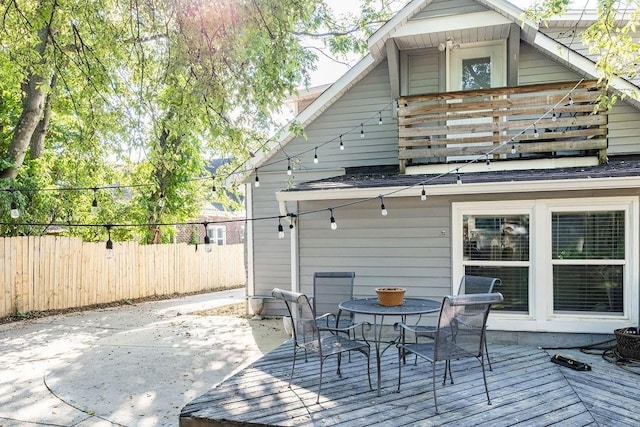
[[525, 388]]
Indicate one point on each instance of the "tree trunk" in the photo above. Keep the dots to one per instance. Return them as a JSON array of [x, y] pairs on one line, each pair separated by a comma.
[[32, 107], [36, 146]]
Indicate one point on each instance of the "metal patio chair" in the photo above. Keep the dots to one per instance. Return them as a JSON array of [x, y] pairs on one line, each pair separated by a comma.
[[324, 342], [329, 290], [469, 284], [460, 334]]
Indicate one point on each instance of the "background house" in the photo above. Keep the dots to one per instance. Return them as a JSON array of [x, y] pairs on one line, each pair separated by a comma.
[[481, 137]]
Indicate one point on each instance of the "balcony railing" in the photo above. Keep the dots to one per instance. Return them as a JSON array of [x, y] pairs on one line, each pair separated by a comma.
[[534, 121]]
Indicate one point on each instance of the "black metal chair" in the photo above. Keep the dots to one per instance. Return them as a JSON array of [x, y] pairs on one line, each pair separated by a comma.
[[330, 289], [469, 284], [324, 342], [460, 334]]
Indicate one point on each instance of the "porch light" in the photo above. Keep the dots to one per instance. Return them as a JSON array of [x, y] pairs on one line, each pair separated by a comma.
[[332, 220], [423, 195], [315, 155], [383, 210], [280, 230], [257, 181], [361, 130], [94, 203], [341, 144]]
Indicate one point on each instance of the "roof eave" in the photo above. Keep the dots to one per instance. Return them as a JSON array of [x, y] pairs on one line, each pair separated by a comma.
[[463, 189]]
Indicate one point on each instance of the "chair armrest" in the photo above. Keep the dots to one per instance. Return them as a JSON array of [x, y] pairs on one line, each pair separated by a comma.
[[347, 330]]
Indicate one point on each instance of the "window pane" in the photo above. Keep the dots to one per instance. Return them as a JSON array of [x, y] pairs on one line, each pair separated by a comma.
[[476, 73], [593, 288], [496, 238], [588, 235], [514, 288]]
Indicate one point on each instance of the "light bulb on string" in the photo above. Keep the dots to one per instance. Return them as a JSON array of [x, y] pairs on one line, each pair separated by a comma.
[[94, 203], [15, 213], [332, 220], [109, 247], [289, 170], [341, 144], [280, 230], [536, 134], [315, 155], [383, 209], [257, 180], [488, 161], [554, 116], [361, 130], [458, 178], [379, 117], [513, 148], [207, 240], [423, 195], [570, 100], [161, 201]]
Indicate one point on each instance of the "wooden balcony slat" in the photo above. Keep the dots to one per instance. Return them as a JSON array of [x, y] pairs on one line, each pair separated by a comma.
[[530, 110], [549, 101], [502, 126], [529, 147], [443, 96], [573, 134]]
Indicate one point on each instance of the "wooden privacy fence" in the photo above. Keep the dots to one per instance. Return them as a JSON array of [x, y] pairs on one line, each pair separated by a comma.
[[46, 273]]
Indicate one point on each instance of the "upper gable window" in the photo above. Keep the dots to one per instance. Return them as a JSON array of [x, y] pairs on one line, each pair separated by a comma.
[[476, 66]]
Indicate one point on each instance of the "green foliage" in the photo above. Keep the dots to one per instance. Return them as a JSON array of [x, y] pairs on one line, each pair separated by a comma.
[[610, 38], [135, 98]]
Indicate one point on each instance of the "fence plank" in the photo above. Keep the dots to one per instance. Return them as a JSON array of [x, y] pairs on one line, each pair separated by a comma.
[[48, 272]]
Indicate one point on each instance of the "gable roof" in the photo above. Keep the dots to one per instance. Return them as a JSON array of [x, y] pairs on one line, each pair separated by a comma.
[[530, 32]]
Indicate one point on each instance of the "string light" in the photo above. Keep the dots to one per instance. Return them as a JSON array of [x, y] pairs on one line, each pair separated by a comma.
[[383, 210], [315, 155], [458, 178], [513, 148], [94, 203], [488, 161], [380, 117], [207, 240], [423, 195], [280, 230], [570, 100], [554, 117], [109, 250], [332, 220], [15, 213], [289, 170], [341, 144], [535, 132], [257, 181], [161, 201], [361, 130]]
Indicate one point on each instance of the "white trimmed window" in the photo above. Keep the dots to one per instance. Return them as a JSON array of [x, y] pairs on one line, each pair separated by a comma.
[[217, 234], [566, 265]]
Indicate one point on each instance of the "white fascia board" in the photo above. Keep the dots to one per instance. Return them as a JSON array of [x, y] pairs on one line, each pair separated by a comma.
[[463, 189], [451, 23], [378, 39], [321, 104]]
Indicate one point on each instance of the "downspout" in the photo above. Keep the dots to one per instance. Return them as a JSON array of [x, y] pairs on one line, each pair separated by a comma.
[[291, 220], [249, 230]]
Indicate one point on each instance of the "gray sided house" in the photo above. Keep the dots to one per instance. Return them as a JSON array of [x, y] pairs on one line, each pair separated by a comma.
[[482, 136]]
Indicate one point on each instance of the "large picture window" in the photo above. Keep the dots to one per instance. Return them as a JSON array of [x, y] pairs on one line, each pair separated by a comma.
[[566, 265], [498, 246], [588, 256]]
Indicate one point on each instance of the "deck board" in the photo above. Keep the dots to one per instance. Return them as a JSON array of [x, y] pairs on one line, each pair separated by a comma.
[[526, 389]]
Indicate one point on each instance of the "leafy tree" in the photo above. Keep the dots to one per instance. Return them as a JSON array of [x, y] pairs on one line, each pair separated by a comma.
[[141, 95], [610, 37]]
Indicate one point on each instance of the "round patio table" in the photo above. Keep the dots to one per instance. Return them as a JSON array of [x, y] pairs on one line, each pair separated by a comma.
[[370, 306]]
